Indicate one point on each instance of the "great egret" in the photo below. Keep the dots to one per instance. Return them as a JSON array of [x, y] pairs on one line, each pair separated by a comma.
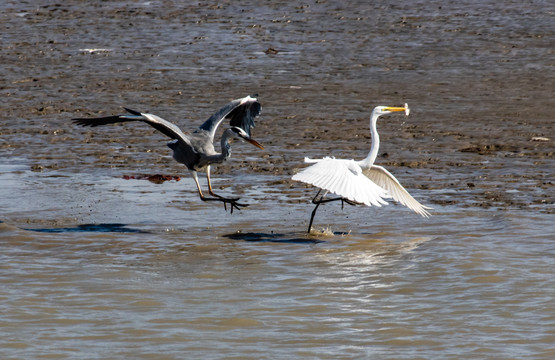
[[196, 150], [358, 182]]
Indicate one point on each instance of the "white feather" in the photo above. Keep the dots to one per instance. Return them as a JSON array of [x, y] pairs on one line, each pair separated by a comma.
[[360, 181], [386, 180], [343, 178]]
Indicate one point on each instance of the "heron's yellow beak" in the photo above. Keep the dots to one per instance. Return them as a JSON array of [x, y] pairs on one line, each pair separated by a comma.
[[255, 143]]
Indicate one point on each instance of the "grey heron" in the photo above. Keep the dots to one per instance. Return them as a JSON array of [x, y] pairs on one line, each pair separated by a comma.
[[196, 150], [358, 182]]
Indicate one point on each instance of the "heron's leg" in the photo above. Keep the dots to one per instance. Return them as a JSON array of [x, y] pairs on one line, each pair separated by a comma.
[[202, 197], [231, 201], [210, 183], [195, 177], [210, 188]]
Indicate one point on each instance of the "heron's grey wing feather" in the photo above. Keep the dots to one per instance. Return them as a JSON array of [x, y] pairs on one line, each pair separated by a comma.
[[343, 178], [241, 113], [386, 180], [92, 122], [243, 116], [164, 126]]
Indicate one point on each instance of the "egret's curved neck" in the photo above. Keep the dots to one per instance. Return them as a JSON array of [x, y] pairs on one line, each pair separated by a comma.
[[373, 154]]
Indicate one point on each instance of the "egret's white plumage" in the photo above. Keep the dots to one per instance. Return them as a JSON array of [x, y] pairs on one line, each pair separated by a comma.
[[344, 178], [380, 176], [359, 181]]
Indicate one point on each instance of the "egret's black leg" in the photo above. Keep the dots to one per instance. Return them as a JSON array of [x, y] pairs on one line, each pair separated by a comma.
[[312, 217], [350, 202], [322, 201]]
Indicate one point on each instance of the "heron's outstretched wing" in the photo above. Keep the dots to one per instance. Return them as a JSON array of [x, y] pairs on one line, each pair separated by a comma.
[[343, 178], [386, 180], [241, 113], [164, 126]]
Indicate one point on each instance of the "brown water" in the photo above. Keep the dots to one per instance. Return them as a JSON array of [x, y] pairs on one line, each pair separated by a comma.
[[96, 266]]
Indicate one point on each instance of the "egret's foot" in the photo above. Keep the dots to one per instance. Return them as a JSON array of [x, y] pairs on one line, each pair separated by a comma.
[[343, 200], [350, 202], [322, 200]]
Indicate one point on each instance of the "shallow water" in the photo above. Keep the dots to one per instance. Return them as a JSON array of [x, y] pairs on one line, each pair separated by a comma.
[[97, 266]]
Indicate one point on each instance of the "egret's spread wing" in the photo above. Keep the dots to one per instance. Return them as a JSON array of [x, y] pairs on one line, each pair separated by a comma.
[[343, 178], [386, 180], [241, 113], [164, 126]]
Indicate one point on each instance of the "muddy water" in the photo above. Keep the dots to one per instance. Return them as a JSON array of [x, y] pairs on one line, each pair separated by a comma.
[[97, 266]]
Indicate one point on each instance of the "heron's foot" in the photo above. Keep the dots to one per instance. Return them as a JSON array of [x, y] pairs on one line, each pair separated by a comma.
[[233, 204]]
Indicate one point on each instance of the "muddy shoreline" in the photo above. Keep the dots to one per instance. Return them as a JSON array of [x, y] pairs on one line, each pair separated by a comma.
[[479, 104]]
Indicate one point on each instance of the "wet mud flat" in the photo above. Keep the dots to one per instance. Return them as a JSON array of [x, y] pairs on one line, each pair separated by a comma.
[[470, 75]]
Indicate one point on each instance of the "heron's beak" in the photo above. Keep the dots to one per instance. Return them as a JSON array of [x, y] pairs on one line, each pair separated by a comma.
[[255, 143], [405, 109]]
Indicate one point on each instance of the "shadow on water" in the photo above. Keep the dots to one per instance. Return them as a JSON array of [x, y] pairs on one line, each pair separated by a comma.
[[103, 228], [272, 237]]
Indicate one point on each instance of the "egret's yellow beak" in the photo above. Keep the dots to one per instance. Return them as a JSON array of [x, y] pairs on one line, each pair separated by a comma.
[[405, 109]]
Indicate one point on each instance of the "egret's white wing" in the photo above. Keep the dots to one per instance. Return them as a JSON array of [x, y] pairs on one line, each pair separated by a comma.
[[386, 180], [343, 178]]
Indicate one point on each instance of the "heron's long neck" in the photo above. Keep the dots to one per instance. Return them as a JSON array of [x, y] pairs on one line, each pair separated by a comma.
[[373, 154], [225, 145]]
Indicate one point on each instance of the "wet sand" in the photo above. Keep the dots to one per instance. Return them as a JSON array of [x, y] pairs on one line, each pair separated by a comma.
[[477, 147], [480, 88]]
